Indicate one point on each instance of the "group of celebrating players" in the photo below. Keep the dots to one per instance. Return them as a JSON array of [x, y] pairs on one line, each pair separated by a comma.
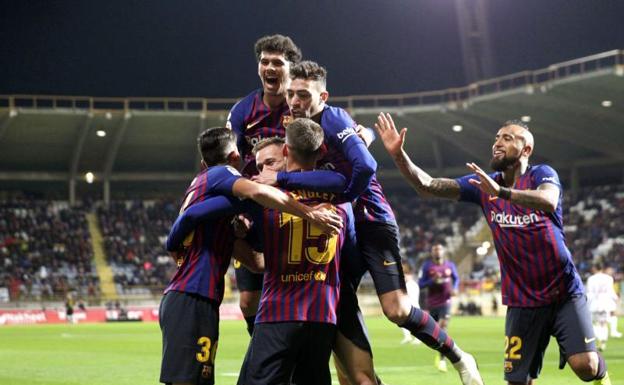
[[301, 247]]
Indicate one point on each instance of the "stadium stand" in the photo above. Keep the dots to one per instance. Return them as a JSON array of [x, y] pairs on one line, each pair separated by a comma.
[[134, 234], [45, 250], [595, 227]]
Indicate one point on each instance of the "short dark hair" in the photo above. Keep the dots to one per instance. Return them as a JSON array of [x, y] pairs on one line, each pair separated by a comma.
[[309, 70], [266, 142], [516, 122], [304, 138], [278, 43], [215, 144], [598, 265]]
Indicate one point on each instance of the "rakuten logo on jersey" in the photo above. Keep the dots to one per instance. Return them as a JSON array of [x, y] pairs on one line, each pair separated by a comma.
[[508, 220], [344, 134]]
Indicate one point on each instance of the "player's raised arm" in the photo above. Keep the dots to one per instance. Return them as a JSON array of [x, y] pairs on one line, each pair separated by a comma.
[[422, 182]]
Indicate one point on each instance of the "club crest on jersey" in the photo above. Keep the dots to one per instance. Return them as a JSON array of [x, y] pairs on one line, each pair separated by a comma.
[[206, 371], [508, 220], [508, 366], [320, 276]]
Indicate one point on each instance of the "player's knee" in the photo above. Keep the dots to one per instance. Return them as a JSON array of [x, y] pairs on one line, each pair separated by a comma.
[[396, 306], [248, 303], [585, 365], [396, 313]]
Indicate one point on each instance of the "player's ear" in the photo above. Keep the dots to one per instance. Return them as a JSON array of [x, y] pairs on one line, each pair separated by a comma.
[[324, 96], [527, 151], [234, 158], [285, 151]]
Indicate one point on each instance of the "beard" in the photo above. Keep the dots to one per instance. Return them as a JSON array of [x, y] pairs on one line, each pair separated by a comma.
[[504, 163]]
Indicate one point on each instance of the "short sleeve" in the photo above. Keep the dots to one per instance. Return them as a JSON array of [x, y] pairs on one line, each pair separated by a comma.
[[545, 174], [468, 192], [221, 179]]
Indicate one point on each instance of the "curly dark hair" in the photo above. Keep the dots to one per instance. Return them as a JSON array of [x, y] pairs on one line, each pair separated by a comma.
[[278, 43]]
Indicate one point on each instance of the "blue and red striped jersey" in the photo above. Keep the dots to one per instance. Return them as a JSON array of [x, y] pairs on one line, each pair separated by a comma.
[[440, 281], [301, 279], [536, 265], [252, 121], [209, 247], [348, 155]]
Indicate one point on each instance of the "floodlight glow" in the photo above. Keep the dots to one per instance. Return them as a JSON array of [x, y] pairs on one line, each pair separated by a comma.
[[89, 177], [100, 133], [606, 103], [458, 128], [108, 115], [481, 250], [526, 118], [486, 244]]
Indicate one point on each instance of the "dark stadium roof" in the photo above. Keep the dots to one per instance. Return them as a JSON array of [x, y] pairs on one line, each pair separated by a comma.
[[55, 138]]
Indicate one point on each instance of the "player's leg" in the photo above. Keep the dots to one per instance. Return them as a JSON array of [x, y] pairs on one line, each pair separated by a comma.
[[313, 360], [613, 325], [527, 334], [441, 315], [379, 246], [577, 342], [601, 329], [353, 355], [190, 330], [273, 353], [250, 288], [354, 364]]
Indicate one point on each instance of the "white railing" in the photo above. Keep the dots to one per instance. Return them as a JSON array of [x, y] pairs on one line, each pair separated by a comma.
[[610, 59]]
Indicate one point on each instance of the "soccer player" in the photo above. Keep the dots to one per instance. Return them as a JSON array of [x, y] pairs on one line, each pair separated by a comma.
[[439, 276], [297, 314], [189, 313], [376, 228], [262, 114], [257, 116], [540, 284], [352, 351], [602, 302]]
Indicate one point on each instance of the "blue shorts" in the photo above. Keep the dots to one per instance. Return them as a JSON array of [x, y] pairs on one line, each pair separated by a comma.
[[379, 246], [283, 351], [528, 331], [247, 280], [190, 333], [440, 312]]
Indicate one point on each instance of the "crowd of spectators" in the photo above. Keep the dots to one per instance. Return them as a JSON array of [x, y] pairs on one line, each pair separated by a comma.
[[594, 226], [424, 221], [134, 237], [45, 250]]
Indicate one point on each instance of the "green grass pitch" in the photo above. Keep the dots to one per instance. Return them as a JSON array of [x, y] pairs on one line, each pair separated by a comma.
[[129, 354]]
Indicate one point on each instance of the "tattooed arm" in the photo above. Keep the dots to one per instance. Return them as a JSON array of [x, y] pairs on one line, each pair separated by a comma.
[[422, 182]]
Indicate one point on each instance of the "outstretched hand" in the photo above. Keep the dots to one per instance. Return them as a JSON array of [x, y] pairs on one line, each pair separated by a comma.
[[391, 138], [485, 183]]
